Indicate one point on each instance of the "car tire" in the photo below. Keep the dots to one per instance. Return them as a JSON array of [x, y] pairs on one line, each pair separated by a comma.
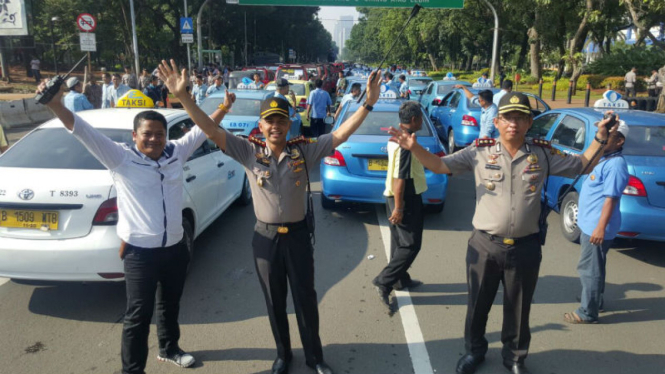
[[451, 142], [327, 203], [568, 216], [434, 208], [188, 239], [245, 197]]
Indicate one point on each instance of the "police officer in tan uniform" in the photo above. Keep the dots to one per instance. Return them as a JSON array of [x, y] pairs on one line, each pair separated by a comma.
[[505, 245], [277, 174]]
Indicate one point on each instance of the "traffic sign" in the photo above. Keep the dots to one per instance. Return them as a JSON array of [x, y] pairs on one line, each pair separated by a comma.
[[458, 4], [186, 25], [88, 42], [187, 38], [86, 22]]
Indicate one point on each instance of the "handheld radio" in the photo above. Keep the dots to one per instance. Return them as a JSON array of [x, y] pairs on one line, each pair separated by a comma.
[[53, 86]]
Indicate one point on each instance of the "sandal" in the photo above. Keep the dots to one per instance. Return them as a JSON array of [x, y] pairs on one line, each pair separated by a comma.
[[574, 319]]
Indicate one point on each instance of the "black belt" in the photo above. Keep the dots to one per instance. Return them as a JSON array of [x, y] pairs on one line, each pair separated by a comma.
[[283, 228], [508, 241]]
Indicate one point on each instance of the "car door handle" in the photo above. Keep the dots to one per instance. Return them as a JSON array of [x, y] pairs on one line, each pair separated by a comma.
[[220, 164], [191, 178], [660, 183]]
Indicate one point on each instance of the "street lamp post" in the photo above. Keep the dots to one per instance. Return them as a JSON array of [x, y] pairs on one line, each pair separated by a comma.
[[55, 59], [495, 45]]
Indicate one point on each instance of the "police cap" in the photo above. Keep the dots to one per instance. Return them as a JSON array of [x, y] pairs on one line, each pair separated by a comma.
[[274, 105], [514, 101]]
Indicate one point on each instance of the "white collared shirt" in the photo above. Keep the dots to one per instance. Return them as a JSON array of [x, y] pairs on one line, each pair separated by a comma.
[[149, 192]]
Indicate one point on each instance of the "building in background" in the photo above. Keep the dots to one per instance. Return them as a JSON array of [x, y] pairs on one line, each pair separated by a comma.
[[343, 31]]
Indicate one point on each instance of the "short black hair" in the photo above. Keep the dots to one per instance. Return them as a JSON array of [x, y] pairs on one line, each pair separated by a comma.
[[116, 75], [356, 86], [486, 95], [128, 67], [389, 75], [153, 78], [507, 84], [409, 110], [402, 77], [149, 115], [318, 83]]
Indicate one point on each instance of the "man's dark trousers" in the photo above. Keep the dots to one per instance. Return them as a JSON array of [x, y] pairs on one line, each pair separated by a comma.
[[151, 272], [405, 238], [282, 257], [317, 126], [490, 262]]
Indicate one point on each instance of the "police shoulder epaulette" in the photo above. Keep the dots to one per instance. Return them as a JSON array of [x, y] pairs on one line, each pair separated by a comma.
[[541, 143], [257, 141], [301, 140], [485, 142]]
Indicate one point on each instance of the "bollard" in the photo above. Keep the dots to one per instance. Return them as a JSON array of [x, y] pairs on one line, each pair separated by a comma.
[[609, 86], [587, 95], [554, 90], [540, 88]]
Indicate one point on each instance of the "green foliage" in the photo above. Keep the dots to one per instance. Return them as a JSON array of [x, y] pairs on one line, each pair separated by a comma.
[[624, 57]]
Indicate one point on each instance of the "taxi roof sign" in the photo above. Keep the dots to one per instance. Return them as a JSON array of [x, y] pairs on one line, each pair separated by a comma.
[[611, 100], [135, 99]]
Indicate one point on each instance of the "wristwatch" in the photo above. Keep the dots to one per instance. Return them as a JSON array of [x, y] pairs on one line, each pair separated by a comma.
[[368, 107], [602, 142]]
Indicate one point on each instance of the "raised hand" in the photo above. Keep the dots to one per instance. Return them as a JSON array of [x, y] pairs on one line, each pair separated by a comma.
[[373, 87], [229, 99], [403, 138], [176, 83], [603, 133]]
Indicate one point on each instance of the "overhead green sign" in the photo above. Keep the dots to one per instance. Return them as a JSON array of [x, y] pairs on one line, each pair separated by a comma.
[[357, 3]]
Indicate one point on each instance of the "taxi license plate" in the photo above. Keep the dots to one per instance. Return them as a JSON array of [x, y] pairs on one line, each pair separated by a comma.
[[29, 219], [377, 164]]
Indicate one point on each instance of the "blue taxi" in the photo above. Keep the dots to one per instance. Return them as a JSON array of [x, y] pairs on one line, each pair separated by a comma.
[[356, 171], [417, 84], [643, 201], [436, 90], [243, 118]]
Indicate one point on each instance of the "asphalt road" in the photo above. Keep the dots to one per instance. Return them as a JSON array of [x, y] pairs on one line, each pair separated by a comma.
[[75, 328]]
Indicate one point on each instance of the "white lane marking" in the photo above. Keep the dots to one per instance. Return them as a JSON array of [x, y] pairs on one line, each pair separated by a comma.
[[407, 312], [3, 281]]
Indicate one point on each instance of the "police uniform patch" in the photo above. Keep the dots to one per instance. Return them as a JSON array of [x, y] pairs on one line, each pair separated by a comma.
[[557, 152], [485, 142], [541, 143]]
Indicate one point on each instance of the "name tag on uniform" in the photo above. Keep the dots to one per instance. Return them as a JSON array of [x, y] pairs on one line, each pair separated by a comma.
[[493, 167]]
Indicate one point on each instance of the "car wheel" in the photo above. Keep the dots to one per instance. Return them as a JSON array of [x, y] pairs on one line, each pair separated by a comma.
[[327, 203], [245, 197], [188, 239], [568, 214], [434, 208], [451, 142]]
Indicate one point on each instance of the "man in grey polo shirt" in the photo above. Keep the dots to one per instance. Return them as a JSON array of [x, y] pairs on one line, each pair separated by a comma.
[[505, 245], [277, 171]]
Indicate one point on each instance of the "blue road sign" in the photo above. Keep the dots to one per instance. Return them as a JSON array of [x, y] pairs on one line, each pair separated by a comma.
[[186, 25]]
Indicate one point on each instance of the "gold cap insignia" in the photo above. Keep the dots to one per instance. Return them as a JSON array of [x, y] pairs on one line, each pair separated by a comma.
[[273, 104], [514, 100]]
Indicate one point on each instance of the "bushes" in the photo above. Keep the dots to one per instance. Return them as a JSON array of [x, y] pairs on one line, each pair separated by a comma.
[[624, 57]]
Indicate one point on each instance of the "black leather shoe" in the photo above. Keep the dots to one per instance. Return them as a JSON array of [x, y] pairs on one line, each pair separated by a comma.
[[469, 363], [410, 284], [323, 368], [515, 367], [280, 366], [384, 293]]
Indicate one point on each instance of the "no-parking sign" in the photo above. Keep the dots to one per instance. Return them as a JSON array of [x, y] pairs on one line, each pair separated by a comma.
[[86, 22]]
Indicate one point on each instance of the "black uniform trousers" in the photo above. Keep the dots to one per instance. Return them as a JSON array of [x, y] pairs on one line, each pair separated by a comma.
[[152, 274], [490, 262], [278, 258], [405, 239]]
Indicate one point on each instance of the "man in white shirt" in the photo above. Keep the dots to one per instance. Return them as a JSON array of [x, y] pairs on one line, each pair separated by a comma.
[[629, 80], [148, 178], [34, 66], [353, 95], [506, 87], [117, 90]]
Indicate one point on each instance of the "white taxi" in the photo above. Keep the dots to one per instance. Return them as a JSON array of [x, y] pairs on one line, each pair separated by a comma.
[[58, 209]]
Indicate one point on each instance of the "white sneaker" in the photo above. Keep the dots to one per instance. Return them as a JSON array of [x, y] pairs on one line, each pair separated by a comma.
[[182, 359]]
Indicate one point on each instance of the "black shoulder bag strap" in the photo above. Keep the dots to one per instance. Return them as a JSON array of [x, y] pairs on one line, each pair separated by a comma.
[[544, 205], [309, 215]]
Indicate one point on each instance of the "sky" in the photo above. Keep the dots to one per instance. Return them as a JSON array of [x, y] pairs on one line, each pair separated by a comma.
[[328, 15]]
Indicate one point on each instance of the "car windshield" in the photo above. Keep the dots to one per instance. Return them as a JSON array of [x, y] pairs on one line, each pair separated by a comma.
[[242, 107], [234, 81], [298, 89], [419, 81], [56, 148], [645, 141], [291, 73], [376, 123]]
